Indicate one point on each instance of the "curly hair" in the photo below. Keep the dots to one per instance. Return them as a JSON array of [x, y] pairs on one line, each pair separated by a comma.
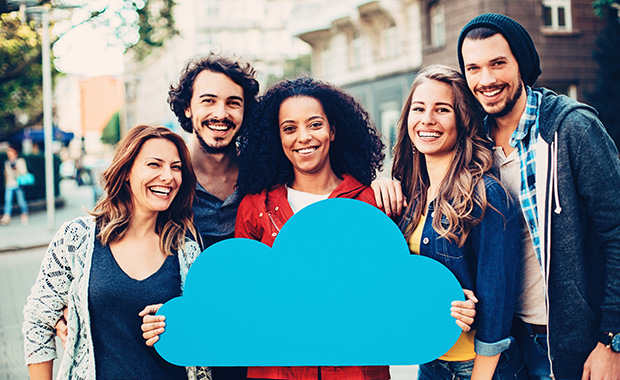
[[356, 149], [463, 186], [180, 96], [113, 212]]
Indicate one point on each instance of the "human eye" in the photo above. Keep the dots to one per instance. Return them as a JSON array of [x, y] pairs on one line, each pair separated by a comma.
[[236, 103], [472, 68], [417, 109], [499, 63], [288, 128], [443, 110], [177, 167], [153, 164], [316, 125]]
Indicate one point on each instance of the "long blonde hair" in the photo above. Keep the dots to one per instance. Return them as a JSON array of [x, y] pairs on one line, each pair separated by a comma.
[[113, 212], [462, 189]]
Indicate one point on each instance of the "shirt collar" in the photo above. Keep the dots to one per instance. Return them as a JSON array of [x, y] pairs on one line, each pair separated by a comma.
[[528, 119]]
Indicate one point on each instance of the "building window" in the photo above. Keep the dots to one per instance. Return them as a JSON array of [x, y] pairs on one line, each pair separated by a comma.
[[390, 40], [357, 50], [437, 22], [325, 57], [557, 14]]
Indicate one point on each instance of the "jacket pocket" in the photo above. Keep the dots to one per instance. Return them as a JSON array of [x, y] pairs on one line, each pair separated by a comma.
[[446, 248], [572, 321]]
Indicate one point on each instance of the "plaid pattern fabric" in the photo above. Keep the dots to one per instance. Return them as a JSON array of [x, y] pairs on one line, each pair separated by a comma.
[[524, 139]]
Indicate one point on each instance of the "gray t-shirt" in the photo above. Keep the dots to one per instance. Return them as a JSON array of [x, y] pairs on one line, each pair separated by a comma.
[[530, 305]]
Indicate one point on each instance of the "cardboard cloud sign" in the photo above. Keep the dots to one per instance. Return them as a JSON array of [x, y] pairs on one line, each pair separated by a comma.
[[339, 287]]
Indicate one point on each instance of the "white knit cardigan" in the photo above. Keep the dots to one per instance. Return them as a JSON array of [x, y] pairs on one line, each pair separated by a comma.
[[63, 281]]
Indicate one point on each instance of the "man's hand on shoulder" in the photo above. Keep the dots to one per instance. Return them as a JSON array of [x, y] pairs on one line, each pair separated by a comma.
[[602, 364]]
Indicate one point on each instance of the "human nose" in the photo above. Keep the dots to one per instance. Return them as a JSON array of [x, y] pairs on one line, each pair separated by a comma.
[[304, 135], [219, 110], [486, 77], [428, 118], [166, 174]]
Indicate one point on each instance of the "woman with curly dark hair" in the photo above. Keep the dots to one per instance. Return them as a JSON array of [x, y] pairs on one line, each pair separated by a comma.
[[355, 147], [310, 141]]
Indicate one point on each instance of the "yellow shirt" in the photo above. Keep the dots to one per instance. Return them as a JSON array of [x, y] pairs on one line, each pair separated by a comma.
[[463, 349]]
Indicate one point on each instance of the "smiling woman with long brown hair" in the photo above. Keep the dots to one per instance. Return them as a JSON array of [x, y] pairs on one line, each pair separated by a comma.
[[104, 269]]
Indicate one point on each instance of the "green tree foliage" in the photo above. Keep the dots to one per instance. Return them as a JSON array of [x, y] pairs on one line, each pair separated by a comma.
[[111, 134], [606, 95], [141, 25], [20, 75]]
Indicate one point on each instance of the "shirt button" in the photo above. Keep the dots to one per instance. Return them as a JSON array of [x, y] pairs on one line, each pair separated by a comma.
[[260, 215], [425, 241], [274, 234], [277, 208]]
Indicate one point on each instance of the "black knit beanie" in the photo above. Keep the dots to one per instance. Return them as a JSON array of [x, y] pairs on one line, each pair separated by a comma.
[[518, 38]]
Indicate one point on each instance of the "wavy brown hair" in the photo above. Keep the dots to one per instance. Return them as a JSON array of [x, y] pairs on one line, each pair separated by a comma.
[[113, 212], [463, 186]]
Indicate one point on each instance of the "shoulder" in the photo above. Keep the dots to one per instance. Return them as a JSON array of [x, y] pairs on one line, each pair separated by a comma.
[[78, 228], [191, 250], [562, 114], [253, 201], [496, 193], [368, 196]]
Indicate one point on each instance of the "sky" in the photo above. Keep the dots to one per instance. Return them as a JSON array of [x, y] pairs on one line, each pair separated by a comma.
[[91, 49]]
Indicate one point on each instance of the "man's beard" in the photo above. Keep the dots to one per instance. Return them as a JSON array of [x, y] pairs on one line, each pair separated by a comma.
[[510, 103], [215, 149]]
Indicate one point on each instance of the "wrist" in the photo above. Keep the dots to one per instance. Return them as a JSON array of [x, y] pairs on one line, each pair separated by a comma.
[[610, 340]]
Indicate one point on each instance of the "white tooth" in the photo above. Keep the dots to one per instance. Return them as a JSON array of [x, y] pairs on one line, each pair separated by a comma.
[[306, 150], [491, 93], [158, 189]]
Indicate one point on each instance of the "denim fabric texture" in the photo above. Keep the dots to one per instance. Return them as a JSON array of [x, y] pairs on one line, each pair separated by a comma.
[[8, 200], [215, 218], [509, 367], [534, 349], [486, 264]]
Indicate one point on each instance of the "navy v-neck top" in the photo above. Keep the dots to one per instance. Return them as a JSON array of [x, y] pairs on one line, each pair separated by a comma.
[[114, 301]]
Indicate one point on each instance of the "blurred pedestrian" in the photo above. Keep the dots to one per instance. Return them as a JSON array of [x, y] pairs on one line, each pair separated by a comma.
[[14, 168]]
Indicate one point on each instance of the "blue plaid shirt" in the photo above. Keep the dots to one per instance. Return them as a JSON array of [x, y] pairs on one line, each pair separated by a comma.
[[524, 140]]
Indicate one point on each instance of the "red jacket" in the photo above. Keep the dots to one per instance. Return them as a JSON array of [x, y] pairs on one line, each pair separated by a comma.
[[260, 217]]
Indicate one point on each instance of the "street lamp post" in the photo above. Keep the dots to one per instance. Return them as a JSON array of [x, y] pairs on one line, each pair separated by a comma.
[[31, 7]]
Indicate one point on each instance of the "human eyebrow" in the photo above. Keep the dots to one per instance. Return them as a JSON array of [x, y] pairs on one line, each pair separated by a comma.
[[444, 104], [315, 118], [236, 98]]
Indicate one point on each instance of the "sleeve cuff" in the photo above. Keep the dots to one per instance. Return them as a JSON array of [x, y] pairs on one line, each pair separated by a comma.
[[492, 349]]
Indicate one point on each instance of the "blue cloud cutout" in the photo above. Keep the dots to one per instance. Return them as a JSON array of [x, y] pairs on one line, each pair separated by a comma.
[[339, 287]]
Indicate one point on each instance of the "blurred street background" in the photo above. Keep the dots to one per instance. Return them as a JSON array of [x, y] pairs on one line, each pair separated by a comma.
[[76, 75]]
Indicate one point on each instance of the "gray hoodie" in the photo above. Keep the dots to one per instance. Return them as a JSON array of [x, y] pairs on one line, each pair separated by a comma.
[[579, 215]]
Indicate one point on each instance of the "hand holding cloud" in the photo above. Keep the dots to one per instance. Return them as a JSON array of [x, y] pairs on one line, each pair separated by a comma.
[[339, 287]]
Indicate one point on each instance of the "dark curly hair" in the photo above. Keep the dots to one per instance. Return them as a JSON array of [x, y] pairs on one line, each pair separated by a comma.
[[179, 96], [356, 149]]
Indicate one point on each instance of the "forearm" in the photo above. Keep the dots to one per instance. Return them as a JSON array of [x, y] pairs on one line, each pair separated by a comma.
[[484, 367], [41, 371]]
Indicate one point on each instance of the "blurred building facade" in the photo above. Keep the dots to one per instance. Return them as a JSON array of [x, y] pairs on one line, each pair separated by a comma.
[[84, 106], [375, 48], [254, 30]]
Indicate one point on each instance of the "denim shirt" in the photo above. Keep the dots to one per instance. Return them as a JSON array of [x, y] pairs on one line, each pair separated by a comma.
[[488, 264]]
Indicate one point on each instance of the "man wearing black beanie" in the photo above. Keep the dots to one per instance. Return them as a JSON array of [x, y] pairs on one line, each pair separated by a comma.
[[555, 157]]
